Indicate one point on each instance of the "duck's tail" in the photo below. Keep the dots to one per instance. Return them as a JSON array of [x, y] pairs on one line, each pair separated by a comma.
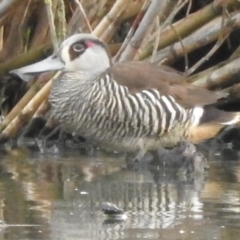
[[211, 123]]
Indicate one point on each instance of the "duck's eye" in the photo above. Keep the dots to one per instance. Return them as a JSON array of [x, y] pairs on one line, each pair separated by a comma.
[[78, 47]]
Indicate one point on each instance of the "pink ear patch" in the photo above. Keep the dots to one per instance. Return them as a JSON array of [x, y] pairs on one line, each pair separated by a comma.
[[90, 44]]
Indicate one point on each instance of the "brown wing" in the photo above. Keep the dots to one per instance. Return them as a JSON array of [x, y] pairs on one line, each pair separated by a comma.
[[138, 76]]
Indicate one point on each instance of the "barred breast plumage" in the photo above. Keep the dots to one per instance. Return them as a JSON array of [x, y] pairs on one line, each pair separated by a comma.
[[126, 106]]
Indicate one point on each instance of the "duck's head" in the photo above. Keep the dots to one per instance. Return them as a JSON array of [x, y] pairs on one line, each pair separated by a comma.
[[80, 52]]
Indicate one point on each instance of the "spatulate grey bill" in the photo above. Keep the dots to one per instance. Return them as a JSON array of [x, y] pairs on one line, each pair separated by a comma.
[[49, 64], [125, 106]]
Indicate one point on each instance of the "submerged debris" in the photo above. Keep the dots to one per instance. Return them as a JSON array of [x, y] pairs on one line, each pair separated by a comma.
[[113, 212]]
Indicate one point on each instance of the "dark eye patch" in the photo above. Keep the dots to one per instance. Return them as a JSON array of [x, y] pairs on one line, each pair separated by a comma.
[[86, 43], [77, 49]]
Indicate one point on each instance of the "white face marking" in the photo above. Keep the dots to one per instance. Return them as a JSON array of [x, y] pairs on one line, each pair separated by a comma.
[[93, 60]]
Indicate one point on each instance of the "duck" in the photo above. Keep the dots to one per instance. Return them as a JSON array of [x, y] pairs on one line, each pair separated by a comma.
[[126, 106]]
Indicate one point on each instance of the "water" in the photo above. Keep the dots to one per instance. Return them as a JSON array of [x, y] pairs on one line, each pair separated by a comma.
[[55, 197]]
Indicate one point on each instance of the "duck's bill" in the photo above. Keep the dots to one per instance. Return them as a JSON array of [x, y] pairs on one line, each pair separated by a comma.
[[51, 63]]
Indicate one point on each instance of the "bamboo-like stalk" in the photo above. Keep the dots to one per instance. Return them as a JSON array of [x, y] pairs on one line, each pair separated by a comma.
[[207, 72], [1, 37], [208, 55], [131, 31], [114, 48], [40, 32], [155, 46], [14, 41], [14, 120], [222, 36], [186, 26], [92, 11], [39, 114], [62, 32], [23, 26], [27, 112], [133, 9], [84, 14], [109, 32], [5, 5], [167, 14], [168, 11], [111, 16], [201, 37], [77, 22], [236, 53], [23, 102], [25, 58], [51, 24], [234, 91], [43, 108], [137, 38], [222, 77]]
